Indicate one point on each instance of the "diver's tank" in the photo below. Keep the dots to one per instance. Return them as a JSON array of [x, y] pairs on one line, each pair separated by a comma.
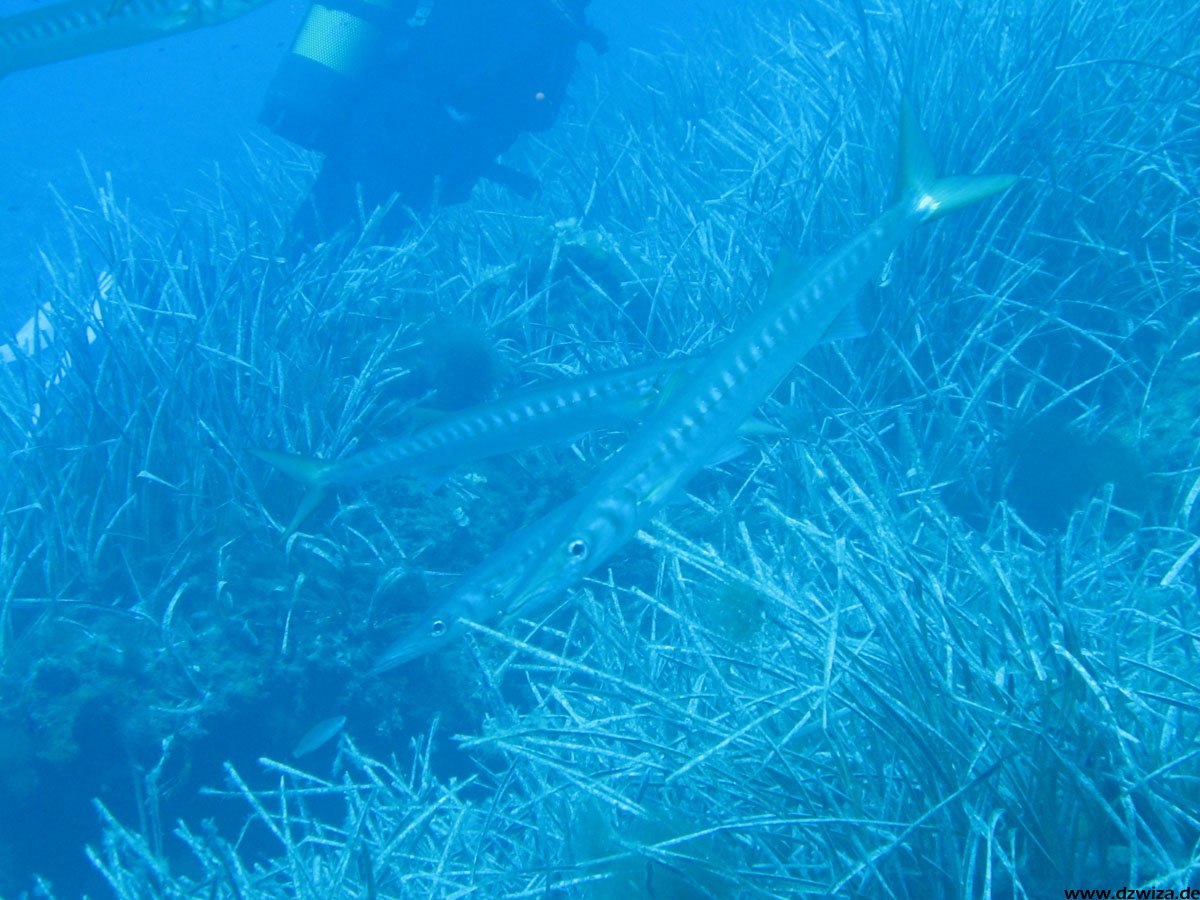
[[339, 40]]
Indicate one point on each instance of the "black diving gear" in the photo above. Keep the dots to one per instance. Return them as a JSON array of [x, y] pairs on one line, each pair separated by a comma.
[[339, 42], [448, 87]]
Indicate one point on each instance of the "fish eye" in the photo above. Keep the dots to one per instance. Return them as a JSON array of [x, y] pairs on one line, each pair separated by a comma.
[[437, 629], [578, 548]]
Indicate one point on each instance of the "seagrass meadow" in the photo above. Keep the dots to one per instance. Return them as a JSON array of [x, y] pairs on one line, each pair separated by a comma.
[[937, 638]]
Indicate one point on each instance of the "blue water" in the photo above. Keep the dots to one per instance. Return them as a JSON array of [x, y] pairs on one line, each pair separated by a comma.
[[963, 564], [159, 117]]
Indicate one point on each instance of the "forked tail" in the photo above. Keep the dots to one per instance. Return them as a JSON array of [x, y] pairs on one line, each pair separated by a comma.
[[918, 183], [309, 472]]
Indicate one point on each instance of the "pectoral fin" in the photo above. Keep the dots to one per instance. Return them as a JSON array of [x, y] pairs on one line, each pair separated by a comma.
[[757, 427]]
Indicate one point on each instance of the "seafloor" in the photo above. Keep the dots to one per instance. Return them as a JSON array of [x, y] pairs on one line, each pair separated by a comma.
[[938, 639]]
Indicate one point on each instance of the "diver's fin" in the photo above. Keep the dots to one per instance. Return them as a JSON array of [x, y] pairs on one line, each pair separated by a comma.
[[917, 181]]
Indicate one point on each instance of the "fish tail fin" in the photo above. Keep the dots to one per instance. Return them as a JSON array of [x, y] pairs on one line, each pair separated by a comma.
[[309, 472], [304, 469], [311, 500], [917, 180]]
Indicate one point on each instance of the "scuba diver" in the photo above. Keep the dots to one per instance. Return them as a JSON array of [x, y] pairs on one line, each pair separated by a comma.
[[412, 99], [416, 100]]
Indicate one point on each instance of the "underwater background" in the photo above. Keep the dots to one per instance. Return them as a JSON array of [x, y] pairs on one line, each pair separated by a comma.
[[936, 636]]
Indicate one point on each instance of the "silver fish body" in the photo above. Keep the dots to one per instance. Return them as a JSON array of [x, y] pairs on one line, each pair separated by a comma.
[[489, 591], [695, 421], [546, 557], [542, 415], [701, 416], [539, 416], [65, 30]]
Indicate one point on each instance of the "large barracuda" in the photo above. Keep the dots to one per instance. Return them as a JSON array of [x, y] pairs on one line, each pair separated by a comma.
[[548, 557], [542, 415], [59, 31]]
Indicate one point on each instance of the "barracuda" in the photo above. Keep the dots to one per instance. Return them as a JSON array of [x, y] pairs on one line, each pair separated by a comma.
[[542, 415], [480, 594], [66, 30], [555, 553]]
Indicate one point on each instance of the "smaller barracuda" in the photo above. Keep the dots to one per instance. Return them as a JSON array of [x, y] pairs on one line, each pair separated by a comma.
[[65, 30], [543, 415], [547, 558]]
